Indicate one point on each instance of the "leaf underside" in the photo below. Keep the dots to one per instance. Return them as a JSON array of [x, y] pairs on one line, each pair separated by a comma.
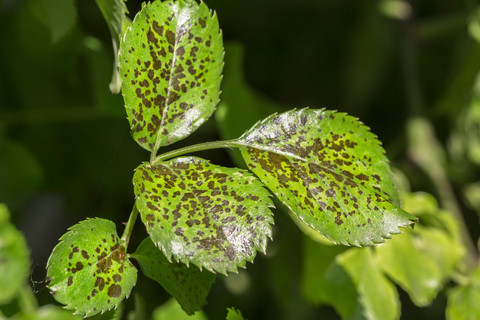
[[171, 60], [188, 285], [88, 270], [330, 170], [212, 216]]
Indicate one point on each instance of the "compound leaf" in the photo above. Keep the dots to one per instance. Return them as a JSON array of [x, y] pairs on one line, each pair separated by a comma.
[[171, 60], [330, 171], [195, 211], [188, 285], [14, 258], [88, 269]]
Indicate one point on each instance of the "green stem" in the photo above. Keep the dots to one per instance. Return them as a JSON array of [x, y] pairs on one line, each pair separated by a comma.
[[130, 224], [197, 147]]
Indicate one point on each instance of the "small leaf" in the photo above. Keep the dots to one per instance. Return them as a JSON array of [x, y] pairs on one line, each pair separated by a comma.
[[188, 285], [88, 270], [172, 310], [463, 300], [14, 258], [233, 314], [213, 216], [114, 12], [377, 295], [330, 171], [171, 60]]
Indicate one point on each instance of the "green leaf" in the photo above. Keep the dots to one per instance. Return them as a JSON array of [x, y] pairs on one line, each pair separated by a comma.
[[171, 60], [233, 314], [330, 171], [88, 270], [377, 295], [47, 312], [58, 16], [114, 12], [188, 285], [172, 310], [213, 216], [14, 258], [423, 259], [463, 301]]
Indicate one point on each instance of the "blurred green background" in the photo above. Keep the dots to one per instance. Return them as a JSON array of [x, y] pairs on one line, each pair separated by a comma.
[[66, 151]]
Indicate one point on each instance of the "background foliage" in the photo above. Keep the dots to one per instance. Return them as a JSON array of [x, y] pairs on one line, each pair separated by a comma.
[[407, 69]]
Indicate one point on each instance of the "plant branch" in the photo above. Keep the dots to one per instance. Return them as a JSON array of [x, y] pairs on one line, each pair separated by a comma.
[[130, 224], [197, 147]]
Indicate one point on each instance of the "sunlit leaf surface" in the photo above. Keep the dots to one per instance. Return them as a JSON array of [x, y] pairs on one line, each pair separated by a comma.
[[171, 60], [195, 211], [330, 170], [88, 270]]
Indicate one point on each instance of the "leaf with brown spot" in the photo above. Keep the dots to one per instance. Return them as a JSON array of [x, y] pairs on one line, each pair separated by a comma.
[[188, 285], [89, 271], [330, 171], [214, 217], [170, 74]]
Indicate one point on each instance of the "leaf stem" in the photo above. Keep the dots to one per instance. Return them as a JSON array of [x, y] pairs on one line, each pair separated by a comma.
[[130, 224], [198, 147]]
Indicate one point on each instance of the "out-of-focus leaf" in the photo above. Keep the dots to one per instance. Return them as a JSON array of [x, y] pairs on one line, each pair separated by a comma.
[[423, 259], [233, 314], [19, 170], [317, 259], [59, 16], [49, 312], [172, 310], [377, 295], [464, 300], [14, 258], [171, 60], [330, 171], [114, 12], [188, 285], [241, 106], [212, 216], [472, 196], [88, 270]]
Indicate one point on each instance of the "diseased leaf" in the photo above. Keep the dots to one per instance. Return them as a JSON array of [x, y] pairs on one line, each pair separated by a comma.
[[188, 285], [330, 170], [14, 258], [377, 295], [171, 310], [463, 300], [114, 12], [171, 60], [88, 270], [212, 216]]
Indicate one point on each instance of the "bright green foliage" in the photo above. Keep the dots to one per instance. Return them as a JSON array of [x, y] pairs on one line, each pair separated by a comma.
[[14, 261], [233, 314], [195, 211], [171, 60], [88, 270], [114, 12], [188, 285], [58, 16], [172, 310], [377, 295], [463, 301], [48, 312], [423, 259], [330, 171]]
